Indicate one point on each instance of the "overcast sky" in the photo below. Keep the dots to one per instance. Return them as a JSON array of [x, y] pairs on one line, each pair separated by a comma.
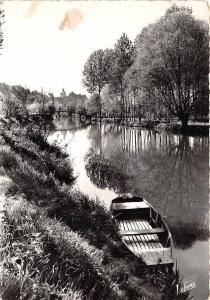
[[41, 49]]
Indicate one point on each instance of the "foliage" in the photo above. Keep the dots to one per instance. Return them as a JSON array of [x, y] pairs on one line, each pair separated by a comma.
[[21, 94], [110, 101], [93, 104], [81, 109], [1, 25], [29, 109], [122, 60], [167, 281], [33, 108], [171, 60], [95, 73], [11, 106], [109, 67]]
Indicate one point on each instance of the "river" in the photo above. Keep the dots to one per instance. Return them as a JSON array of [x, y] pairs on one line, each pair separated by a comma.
[[170, 171]]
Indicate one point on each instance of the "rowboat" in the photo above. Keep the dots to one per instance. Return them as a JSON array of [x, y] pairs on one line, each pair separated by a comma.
[[143, 230]]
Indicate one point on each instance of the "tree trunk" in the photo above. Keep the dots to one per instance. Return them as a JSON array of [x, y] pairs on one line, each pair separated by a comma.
[[100, 107], [184, 121], [100, 114]]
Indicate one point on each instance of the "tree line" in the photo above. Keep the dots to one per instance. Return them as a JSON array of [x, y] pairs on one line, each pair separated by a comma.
[[163, 73], [21, 100]]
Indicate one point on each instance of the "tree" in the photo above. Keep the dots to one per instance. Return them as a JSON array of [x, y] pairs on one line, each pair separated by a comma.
[[11, 105], [201, 104], [134, 90], [95, 73], [122, 60], [110, 102], [173, 59], [21, 93], [76, 103], [93, 104]]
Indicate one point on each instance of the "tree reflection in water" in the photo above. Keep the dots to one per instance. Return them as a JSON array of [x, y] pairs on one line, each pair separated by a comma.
[[170, 171], [104, 173]]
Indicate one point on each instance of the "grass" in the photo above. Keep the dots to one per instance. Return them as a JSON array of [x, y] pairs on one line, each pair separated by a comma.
[[43, 157], [45, 257]]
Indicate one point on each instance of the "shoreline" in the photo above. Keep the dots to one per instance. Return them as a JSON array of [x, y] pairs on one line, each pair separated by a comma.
[[193, 129]]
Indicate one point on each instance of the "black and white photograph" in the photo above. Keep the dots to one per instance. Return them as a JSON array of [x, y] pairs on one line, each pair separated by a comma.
[[104, 150]]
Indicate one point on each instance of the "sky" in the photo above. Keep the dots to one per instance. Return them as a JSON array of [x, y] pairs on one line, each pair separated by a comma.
[[46, 43]]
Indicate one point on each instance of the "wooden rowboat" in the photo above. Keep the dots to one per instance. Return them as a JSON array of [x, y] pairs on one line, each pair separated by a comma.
[[143, 230]]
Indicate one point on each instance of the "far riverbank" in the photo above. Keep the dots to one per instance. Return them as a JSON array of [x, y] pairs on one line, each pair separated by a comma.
[[194, 128]]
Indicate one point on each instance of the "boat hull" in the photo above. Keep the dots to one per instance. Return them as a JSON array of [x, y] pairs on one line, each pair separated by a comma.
[[143, 230]]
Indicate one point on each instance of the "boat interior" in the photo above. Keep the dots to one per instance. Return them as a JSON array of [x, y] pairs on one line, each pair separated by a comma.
[[142, 229]]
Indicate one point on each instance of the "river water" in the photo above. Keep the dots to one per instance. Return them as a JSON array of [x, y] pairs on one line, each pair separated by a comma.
[[170, 171]]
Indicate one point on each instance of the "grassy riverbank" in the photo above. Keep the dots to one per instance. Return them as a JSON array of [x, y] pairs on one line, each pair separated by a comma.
[[56, 242]]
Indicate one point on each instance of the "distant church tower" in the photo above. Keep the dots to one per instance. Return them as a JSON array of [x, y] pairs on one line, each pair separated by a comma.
[[63, 93]]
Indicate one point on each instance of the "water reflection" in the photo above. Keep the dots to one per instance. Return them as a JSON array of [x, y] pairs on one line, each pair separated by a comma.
[[105, 173], [65, 123]]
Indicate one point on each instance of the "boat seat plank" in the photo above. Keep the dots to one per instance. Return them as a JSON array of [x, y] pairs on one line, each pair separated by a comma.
[[152, 240], [129, 205], [129, 239], [141, 241], [142, 231], [130, 226], [126, 226], [132, 238], [140, 238], [145, 224]]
